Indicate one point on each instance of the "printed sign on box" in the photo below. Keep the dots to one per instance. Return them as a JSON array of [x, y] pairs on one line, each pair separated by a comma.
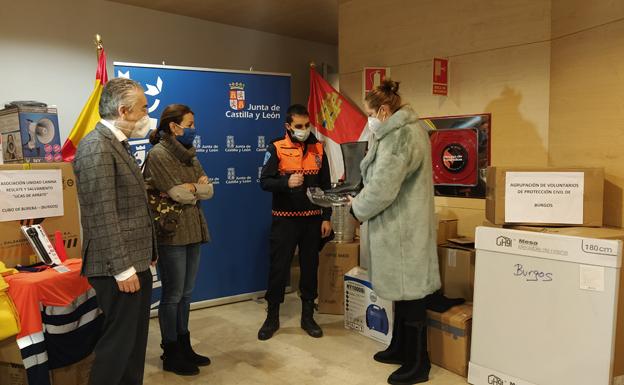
[[544, 197], [30, 194]]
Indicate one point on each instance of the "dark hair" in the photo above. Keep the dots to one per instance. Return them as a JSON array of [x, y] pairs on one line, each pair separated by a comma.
[[385, 93], [173, 113], [296, 109]]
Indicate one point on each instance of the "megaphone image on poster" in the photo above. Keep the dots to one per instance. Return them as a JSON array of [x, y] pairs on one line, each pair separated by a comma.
[[40, 133]]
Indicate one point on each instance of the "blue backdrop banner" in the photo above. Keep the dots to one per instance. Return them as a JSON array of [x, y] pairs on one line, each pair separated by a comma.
[[237, 114]]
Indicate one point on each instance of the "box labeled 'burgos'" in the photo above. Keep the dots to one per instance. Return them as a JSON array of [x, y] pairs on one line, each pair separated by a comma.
[[365, 312], [545, 196]]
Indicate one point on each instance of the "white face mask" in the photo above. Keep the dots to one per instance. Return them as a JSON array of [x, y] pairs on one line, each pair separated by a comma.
[[141, 128], [374, 122], [301, 135]]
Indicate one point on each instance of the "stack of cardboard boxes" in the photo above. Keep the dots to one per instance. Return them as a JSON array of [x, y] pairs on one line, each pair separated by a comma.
[[562, 201], [15, 250], [449, 332]]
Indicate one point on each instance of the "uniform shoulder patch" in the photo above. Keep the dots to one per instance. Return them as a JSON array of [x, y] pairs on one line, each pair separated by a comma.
[[267, 156]]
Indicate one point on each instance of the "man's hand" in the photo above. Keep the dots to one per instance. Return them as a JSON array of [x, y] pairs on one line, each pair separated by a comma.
[[202, 180], [326, 229], [295, 180], [130, 285]]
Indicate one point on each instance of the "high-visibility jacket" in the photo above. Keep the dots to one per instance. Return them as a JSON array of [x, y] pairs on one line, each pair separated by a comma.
[[286, 156]]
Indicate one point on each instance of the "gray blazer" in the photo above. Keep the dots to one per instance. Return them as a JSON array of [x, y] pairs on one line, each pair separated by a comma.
[[118, 230]]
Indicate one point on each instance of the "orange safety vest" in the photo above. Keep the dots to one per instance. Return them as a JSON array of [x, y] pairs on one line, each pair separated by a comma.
[[292, 159]]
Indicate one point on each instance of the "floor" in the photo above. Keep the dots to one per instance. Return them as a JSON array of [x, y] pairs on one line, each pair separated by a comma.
[[227, 334]]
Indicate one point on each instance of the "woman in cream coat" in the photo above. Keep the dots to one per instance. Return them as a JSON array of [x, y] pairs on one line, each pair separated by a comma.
[[397, 202]]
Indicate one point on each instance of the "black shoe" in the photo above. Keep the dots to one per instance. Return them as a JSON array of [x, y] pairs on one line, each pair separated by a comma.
[[394, 353], [189, 353], [307, 320], [271, 324], [174, 361], [416, 367]]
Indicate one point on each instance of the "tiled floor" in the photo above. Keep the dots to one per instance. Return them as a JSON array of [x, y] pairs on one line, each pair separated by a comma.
[[228, 335]]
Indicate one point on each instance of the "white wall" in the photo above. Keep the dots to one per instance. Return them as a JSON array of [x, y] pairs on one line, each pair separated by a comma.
[[47, 54]]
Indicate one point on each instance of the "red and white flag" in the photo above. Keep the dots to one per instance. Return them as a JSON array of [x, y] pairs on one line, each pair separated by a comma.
[[335, 121]]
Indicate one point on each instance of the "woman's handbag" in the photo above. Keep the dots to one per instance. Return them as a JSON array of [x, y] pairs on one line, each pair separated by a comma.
[[166, 212]]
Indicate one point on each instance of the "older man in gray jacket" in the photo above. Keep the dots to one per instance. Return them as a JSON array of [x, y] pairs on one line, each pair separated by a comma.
[[119, 239]]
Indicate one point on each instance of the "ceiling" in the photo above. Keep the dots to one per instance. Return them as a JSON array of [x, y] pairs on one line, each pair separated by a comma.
[[314, 20]]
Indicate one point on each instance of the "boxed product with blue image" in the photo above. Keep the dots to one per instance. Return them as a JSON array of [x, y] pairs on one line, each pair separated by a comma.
[[30, 134], [365, 312]]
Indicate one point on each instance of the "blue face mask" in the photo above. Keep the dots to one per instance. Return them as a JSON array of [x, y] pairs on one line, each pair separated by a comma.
[[187, 137]]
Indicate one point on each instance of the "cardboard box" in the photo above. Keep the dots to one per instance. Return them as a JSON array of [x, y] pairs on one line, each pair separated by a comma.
[[447, 228], [449, 338], [335, 260], [12, 374], [76, 374], [547, 204], [457, 271], [9, 352], [597, 233], [30, 134], [365, 312], [15, 249]]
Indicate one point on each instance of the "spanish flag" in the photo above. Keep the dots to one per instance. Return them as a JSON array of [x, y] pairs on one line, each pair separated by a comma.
[[90, 115], [336, 121]]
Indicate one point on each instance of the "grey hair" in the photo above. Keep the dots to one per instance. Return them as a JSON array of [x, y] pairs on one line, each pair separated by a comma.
[[117, 92]]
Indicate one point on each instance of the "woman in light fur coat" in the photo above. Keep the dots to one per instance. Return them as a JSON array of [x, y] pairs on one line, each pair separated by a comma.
[[397, 203]]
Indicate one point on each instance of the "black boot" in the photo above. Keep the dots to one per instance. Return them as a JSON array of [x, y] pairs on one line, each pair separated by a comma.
[[415, 369], [271, 324], [394, 353], [174, 361], [352, 155], [189, 353], [307, 319]]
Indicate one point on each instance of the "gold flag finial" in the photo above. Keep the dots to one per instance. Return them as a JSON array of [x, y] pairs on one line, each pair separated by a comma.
[[312, 64], [99, 45]]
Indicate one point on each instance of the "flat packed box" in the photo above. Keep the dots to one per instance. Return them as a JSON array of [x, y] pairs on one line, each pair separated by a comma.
[[447, 228], [449, 336], [15, 249], [365, 312], [457, 267], [545, 196], [594, 233], [30, 134], [335, 260]]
